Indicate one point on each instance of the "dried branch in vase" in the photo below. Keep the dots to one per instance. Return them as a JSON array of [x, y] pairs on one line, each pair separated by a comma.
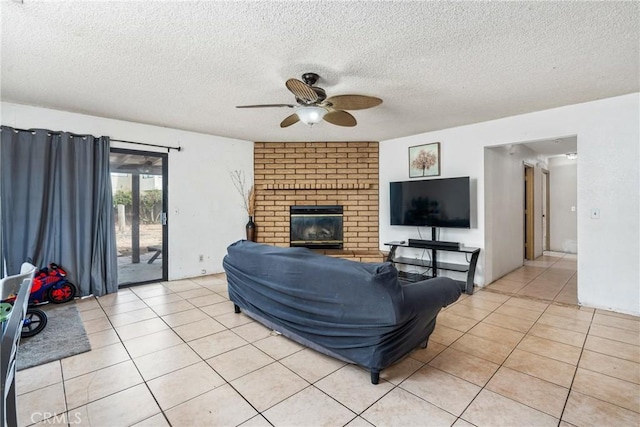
[[248, 195]]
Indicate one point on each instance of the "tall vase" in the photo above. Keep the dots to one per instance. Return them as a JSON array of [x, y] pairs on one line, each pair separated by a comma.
[[251, 229]]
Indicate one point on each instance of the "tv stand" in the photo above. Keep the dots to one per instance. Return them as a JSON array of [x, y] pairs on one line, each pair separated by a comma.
[[434, 264]]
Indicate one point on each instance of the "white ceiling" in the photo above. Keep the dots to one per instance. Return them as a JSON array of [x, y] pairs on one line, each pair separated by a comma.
[[436, 65], [554, 147], [546, 148]]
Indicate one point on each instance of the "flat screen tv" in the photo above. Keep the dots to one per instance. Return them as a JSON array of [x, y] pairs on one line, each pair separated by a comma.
[[431, 203]]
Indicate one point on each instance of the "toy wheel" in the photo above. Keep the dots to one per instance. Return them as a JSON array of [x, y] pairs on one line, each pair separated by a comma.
[[34, 322], [63, 293]]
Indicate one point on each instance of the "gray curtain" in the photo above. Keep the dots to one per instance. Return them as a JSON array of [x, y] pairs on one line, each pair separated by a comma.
[[57, 206]]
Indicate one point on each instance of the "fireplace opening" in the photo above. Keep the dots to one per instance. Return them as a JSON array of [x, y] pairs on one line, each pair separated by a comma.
[[316, 227]]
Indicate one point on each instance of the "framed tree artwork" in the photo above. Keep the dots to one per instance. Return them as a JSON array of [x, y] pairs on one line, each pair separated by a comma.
[[424, 160]]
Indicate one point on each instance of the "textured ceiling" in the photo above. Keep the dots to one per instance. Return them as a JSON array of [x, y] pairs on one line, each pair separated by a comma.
[[554, 147], [436, 65]]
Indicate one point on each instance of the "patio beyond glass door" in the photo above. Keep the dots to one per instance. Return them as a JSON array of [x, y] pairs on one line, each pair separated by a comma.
[[138, 182]]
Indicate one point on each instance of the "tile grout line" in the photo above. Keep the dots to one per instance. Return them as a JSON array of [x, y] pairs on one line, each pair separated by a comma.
[[121, 342], [564, 407], [226, 382], [134, 363], [212, 368], [162, 411], [501, 365]]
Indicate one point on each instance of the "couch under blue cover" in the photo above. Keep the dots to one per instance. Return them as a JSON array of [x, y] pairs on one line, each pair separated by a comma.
[[353, 311]]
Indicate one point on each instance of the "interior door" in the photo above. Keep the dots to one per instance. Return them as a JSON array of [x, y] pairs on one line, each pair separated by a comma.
[[545, 211], [528, 213], [138, 182]]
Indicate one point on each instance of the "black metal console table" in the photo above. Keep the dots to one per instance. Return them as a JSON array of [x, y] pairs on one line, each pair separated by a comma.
[[434, 264]]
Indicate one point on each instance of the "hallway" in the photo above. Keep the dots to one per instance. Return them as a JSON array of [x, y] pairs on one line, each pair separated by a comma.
[[551, 277]]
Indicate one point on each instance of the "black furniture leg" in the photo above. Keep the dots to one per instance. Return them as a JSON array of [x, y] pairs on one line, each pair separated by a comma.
[[375, 376], [471, 273], [236, 308], [392, 253]]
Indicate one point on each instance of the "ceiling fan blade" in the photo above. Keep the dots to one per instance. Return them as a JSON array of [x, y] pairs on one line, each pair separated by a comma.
[[301, 90], [353, 102], [265, 106], [340, 118], [292, 119]]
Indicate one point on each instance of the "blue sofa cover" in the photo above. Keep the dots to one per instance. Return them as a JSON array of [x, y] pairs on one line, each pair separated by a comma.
[[357, 312]]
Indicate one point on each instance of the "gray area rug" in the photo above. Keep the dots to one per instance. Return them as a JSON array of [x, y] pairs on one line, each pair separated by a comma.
[[63, 336]]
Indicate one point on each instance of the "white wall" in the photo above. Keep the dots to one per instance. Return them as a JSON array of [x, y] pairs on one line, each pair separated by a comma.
[[608, 179], [563, 177], [205, 211]]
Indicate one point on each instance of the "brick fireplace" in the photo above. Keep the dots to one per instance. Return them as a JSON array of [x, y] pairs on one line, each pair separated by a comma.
[[319, 174]]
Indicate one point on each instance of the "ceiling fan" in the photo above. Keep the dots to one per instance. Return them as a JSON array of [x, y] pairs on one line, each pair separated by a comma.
[[314, 106]]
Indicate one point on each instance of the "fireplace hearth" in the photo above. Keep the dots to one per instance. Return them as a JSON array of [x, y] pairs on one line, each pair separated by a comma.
[[316, 227]]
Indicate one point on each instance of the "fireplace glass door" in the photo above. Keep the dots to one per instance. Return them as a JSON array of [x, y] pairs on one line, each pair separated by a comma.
[[316, 227]]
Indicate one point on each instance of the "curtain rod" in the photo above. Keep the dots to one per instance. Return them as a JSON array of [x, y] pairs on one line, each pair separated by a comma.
[[169, 148]]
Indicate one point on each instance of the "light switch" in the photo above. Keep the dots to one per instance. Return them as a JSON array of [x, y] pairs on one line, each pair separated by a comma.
[[573, 208], [595, 213]]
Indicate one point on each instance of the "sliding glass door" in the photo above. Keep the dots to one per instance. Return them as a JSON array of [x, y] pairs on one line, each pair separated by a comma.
[[138, 182]]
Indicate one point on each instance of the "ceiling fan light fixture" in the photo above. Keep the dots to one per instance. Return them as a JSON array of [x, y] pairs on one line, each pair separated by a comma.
[[314, 106], [311, 114]]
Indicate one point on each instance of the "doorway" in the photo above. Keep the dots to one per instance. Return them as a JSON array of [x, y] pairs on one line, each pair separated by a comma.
[[517, 215], [139, 187]]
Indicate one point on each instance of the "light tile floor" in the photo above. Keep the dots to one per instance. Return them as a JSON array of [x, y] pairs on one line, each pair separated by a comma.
[[176, 354], [551, 277]]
